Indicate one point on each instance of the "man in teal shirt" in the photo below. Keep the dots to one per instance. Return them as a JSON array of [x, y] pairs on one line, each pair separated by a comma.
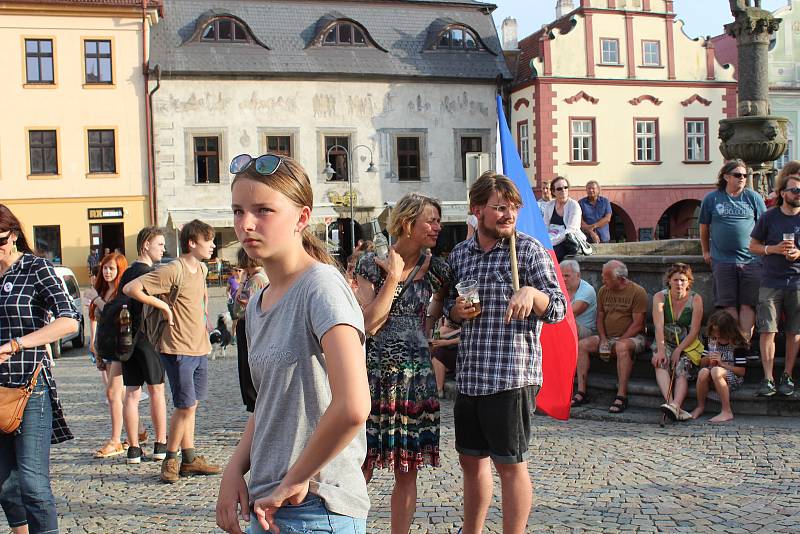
[[727, 217]]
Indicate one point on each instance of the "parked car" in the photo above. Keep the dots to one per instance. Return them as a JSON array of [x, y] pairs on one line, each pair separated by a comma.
[[70, 284]]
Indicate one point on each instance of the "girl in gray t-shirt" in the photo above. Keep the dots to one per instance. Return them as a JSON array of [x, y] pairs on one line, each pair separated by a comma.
[[305, 443]]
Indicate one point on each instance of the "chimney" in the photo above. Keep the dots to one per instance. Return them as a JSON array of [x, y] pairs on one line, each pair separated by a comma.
[[563, 7], [509, 32]]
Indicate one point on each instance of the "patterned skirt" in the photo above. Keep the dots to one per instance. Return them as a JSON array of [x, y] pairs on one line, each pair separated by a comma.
[[403, 424]]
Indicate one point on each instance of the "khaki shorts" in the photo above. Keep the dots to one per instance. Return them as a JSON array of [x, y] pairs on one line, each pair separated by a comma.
[[770, 304], [638, 343]]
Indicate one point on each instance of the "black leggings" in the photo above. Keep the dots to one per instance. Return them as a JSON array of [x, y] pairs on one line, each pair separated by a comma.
[[245, 379]]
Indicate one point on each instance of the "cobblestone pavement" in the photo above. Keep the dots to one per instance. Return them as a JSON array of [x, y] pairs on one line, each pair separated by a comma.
[[588, 475]]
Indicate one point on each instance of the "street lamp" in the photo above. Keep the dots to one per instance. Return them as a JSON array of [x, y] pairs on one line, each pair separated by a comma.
[[329, 172]]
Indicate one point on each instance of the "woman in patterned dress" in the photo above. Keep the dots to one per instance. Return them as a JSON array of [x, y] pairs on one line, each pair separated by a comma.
[[403, 426]]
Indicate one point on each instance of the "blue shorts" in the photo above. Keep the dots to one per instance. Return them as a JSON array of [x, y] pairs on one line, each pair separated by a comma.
[[310, 516], [188, 378]]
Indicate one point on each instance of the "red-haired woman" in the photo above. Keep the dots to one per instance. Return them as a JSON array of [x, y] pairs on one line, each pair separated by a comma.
[[104, 346], [29, 288]]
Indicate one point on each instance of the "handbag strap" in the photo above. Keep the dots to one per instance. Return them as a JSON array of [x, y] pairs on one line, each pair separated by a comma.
[[409, 279], [34, 378]]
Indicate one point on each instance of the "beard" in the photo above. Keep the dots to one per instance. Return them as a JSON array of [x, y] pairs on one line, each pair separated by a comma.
[[496, 233], [793, 202]]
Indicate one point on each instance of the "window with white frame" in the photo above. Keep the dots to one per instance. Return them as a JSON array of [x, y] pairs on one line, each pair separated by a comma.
[[696, 132], [610, 51], [582, 139], [646, 140], [523, 143], [651, 53]]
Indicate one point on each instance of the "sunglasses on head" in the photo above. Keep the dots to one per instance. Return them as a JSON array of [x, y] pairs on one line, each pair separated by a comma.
[[264, 165], [793, 190], [737, 174]]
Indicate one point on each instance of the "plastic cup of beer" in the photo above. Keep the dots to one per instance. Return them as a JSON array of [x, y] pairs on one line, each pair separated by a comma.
[[468, 290], [604, 351], [789, 237]]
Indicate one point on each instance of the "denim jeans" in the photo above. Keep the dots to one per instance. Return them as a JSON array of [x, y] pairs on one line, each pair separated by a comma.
[[25, 493], [310, 517]]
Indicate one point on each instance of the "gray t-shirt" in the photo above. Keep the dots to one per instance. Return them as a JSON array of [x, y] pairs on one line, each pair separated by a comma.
[[291, 378]]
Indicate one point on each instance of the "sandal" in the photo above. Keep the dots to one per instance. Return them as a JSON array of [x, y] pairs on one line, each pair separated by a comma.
[[670, 411], [109, 449], [618, 407], [579, 398]]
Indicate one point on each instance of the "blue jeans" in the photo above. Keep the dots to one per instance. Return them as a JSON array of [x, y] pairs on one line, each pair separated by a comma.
[[309, 517], [25, 493]]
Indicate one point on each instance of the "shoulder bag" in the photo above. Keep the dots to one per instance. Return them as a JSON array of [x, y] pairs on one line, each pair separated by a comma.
[[13, 402]]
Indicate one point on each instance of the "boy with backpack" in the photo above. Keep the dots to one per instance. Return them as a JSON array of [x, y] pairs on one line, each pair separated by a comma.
[[144, 362], [182, 341]]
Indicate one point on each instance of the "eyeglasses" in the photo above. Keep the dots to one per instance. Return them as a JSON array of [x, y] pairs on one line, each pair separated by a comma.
[[4, 239], [737, 174], [793, 190], [503, 209], [265, 165], [562, 188]]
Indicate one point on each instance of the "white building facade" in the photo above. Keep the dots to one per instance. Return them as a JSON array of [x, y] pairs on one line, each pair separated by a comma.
[[413, 106]]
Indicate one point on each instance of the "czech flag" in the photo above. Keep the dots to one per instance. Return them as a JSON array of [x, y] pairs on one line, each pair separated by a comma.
[[559, 341]]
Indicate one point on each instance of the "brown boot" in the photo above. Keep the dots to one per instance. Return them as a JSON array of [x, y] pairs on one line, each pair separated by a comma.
[[169, 471], [199, 467]]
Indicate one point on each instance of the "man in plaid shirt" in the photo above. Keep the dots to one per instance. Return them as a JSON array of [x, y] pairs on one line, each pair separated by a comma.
[[499, 365]]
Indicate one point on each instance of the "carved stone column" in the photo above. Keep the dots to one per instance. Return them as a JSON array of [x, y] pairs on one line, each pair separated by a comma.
[[754, 136]]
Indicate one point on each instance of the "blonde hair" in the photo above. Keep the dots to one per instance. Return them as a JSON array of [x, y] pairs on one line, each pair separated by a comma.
[[491, 182], [407, 210], [291, 180]]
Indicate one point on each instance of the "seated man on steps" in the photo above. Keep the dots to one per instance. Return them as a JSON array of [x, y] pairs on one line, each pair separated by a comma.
[[621, 310]]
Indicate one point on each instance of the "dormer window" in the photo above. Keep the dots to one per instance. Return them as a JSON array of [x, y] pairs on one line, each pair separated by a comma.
[[345, 34], [226, 30], [457, 38]]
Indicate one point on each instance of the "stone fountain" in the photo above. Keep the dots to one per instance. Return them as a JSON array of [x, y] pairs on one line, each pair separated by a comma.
[[755, 136]]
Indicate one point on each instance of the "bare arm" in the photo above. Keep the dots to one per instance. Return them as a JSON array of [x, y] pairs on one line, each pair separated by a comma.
[[47, 334], [705, 242], [135, 290], [635, 327], [600, 323], [578, 307], [233, 496], [658, 321], [375, 307]]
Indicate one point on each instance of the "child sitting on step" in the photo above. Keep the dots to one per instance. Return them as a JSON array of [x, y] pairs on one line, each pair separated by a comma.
[[722, 365]]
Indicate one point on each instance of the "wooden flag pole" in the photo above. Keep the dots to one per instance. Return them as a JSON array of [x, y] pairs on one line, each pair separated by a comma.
[[514, 271]]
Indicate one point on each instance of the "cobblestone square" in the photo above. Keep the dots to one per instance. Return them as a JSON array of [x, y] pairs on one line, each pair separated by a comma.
[[589, 476]]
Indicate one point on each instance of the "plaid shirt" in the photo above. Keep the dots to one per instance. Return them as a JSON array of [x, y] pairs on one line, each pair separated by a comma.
[[27, 291], [494, 356]]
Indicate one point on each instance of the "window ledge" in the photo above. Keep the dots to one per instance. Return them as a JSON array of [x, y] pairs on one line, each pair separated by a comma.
[[646, 162], [610, 65], [208, 183], [44, 177], [651, 66], [697, 162], [583, 163], [39, 86], [100, 85], [101, 175]]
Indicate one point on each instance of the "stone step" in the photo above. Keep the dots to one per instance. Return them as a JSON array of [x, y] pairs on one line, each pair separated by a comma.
[[644, 393]]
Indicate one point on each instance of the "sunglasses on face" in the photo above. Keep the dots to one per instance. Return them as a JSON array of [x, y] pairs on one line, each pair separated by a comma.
[[562, 188], [264, 165], [737, 174], [793, 190], [4, 239]]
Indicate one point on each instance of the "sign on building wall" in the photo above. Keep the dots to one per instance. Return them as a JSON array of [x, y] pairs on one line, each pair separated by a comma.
[[105, 213]]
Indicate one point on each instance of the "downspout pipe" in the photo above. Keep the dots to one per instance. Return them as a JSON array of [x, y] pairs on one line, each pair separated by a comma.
[[148, 113]]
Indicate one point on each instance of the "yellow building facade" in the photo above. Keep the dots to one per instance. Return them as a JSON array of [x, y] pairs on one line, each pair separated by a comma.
[[73, 147]]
